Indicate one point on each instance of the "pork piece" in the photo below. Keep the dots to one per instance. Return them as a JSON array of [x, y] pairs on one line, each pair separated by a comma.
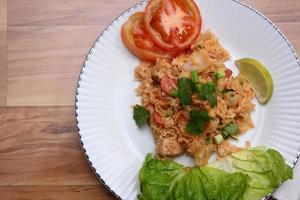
[[226, 149], [168, 146]]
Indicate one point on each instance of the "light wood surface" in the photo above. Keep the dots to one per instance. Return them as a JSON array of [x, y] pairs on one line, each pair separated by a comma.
[[43, 44]]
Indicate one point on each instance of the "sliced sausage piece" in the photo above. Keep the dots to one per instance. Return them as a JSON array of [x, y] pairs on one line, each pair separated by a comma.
[[158, 119], [167, 84]]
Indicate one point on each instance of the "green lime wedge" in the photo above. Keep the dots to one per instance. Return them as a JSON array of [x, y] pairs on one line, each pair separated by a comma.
[[258, 77]]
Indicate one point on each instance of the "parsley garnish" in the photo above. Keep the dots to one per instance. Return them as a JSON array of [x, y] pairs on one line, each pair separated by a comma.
[[185, 90], [198, 120], [207, 92], [140, 115]]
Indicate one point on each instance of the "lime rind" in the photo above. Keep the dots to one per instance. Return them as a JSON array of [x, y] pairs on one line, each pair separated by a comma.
[[253, 70]]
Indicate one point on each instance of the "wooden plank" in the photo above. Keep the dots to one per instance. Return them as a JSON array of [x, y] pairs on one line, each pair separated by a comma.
[[3, 61], [67, 12], [44, 63], [285, 14], [278, 10], [3, 13], [81, 192], [40, 146], [40, 157], [292, 31]]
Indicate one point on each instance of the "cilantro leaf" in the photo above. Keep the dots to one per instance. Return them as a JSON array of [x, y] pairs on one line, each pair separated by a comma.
[[208, 88], [198, 115], [207, 92], [140, 115], [185, 90], [212, 100], [198, 120], [195, 128]]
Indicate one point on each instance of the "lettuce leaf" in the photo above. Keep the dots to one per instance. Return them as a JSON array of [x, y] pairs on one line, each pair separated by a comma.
[[266, 169], [156, 176], [208, 184], [247, 175]]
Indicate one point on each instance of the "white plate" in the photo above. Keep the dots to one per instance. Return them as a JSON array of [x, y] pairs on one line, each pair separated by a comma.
[[116, 148]]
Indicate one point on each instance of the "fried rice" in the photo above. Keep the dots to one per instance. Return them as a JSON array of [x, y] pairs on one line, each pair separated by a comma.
[[169, 117]]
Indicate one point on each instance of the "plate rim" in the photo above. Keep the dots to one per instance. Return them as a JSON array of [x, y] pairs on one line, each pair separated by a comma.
[[90, 52]]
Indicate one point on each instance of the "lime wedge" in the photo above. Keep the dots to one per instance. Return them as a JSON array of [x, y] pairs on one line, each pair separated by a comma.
[[259, 78]]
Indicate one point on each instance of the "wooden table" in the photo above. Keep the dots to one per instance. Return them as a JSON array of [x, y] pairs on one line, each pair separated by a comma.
[[43, 44]]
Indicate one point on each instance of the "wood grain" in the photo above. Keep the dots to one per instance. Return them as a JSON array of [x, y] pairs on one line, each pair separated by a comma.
[[44, 58], [44, 63], [278, 10], [80, 192], [3, 13], [65, 13], [40, 146], [285, 14], [292, 32], [43, 44], [3, 62]]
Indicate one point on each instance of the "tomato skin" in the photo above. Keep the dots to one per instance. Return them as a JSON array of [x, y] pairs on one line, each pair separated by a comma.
[[167, 84], [138, 41], [158, 119], [228, 73], [152, 9]]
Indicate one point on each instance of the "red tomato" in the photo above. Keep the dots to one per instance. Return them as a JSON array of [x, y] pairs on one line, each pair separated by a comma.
[[167, 84], [228, 73], [157, 119], [136, 39], [173, 24]]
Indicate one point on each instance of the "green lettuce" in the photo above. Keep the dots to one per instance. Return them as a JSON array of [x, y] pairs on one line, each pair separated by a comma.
[[208, 184], [247, 175], [266, 169], [156, 176]]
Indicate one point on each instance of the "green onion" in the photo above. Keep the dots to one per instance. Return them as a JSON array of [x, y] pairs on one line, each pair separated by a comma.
[[242, 82], [198, 87], [174, 93], [219, 74], [230, 130], [207, 140], [218, 139], [195, 76], [225, 135]]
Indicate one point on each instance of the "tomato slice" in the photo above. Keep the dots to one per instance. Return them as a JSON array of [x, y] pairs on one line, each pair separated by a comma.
[[158, 119], [137, 40], [173, 24], [228, 73]]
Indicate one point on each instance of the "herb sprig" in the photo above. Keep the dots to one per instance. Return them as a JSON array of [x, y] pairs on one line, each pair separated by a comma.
[[198, 120], [140, 115]]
